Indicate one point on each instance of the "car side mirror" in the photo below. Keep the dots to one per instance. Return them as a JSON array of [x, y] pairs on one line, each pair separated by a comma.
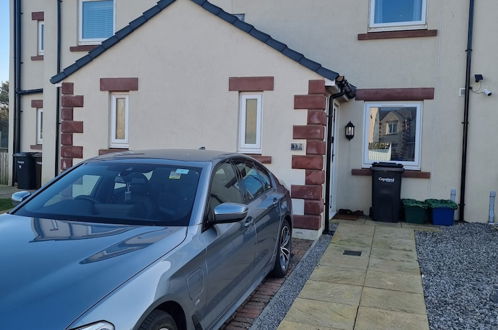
[[229, 212], [20, 196]]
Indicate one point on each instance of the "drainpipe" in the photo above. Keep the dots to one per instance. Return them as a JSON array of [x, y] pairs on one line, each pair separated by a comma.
[[492, 198], [58, 91], [17, 83], [463, 175], [330, 140]]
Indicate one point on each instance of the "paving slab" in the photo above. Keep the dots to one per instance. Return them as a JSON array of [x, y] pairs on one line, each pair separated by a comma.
[[287, 325], [339, 275], [318, 314], [380, 288], [378, 319], [332, 292], [411, 267], [397, 301], [395, 244], [394, 281], [394, 255]]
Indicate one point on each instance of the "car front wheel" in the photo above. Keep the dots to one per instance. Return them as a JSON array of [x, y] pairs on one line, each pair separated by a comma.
[[284, 251], [159, 320]]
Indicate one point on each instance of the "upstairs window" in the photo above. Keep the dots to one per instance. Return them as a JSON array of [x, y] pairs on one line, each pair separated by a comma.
[[250, 117], [119, 121], [96, 20], [390, 13], [41, 38], [393, 133]]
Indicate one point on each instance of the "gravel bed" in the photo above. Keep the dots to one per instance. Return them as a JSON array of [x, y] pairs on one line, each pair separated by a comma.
[[280, 304], [459, 268]]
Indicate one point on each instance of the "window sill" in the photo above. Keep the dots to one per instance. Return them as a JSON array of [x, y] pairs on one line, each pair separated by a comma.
[[82, 48], [36, 147], [397, 34], [37, 58], [111, 150], [260, 158], [413, 174]]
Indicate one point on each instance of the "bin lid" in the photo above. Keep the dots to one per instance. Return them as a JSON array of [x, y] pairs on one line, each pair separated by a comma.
[[389, 167], [37, 154], [24, 154]]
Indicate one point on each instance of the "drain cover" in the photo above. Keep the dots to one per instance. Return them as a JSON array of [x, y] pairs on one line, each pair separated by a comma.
[[352, 253]]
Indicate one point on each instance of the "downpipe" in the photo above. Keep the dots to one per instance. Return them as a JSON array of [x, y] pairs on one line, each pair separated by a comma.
[[492, 200]]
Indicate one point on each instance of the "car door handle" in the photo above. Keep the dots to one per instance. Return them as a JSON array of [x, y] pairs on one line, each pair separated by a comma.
[[248, 222], [275, 201]]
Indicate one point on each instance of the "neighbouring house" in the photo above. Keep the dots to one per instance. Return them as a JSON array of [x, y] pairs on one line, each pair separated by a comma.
[[266, 78]]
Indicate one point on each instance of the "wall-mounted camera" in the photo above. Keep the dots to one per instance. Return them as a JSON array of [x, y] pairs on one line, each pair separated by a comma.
[[487, 92]]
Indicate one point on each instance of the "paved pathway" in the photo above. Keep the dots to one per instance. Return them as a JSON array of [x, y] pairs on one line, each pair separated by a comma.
[[368, 278]]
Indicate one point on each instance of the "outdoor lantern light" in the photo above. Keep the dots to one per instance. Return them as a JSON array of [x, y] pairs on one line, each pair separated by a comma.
[[349, 131]]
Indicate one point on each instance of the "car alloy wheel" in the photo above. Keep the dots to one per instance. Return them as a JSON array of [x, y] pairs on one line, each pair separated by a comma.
[[285, 243]]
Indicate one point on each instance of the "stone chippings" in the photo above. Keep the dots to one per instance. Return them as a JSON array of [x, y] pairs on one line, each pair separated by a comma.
[[280, 304], [459, 267]]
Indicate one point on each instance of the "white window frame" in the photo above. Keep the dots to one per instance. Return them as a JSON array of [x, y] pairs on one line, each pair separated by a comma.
[[119, 143], [93, 41], [41, 38], [244, 147], [413, 165], [398, 25], [39, 126]]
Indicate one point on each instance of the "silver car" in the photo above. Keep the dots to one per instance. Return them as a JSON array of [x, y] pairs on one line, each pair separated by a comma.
[[171, 239]]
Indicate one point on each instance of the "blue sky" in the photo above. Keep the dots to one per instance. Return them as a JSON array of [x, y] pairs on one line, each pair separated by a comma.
[[4, 40]]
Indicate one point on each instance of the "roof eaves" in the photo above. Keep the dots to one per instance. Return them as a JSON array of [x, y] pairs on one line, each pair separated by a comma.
[[111, 41]]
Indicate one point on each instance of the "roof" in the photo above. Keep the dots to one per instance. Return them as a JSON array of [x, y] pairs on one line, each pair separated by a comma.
[[215, 10], [187, 155]]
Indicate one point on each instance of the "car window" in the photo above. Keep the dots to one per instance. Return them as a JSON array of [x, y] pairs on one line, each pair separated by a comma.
[[119, 192], [254, 180], [224, 187]]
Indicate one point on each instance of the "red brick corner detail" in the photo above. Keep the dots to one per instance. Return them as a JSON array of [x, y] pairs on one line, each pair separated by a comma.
[[313, 162], [69, 127]]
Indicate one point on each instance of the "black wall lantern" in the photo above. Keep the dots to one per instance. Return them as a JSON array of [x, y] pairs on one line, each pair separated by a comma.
[[349, 131]]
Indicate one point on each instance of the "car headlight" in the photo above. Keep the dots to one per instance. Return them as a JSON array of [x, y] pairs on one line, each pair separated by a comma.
[[97, 326]]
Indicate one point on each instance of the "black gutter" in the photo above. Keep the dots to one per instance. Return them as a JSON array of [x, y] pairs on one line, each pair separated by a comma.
[[30, 91], [58, 92], [463, 175], [349, 91]]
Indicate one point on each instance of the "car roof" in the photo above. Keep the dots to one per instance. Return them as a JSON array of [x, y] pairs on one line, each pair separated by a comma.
[[187, 155]]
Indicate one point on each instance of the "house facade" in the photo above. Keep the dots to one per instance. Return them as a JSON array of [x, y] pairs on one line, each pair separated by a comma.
[[260, 77]]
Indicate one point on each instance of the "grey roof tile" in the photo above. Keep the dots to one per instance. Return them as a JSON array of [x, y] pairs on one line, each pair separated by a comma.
[[232, 19]]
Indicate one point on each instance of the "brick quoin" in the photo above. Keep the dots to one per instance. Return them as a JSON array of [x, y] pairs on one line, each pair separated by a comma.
[[311, 222], [72, 101], [71, 152], [317, 87], [306, 192], [67, 88], [67, 114], [315, 177], [308, 132], [317, 117], [66, 163], [67, 139], [313, 207], [316, 148], [309, 102], [68, 126], [307, 162]]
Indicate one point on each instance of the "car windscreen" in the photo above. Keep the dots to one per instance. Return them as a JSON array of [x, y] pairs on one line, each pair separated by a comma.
[[125, 193]]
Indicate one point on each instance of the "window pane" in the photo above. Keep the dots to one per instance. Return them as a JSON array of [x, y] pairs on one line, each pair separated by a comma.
[[392, 11], [113, 192], [41, 124], [42, 37], [251, 121], [224, 187], [98, 19], [392, 134], [254, 180], [120, 119]]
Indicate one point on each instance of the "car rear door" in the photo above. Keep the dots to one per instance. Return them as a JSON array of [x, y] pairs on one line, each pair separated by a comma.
[[230, 249], [262, 200]]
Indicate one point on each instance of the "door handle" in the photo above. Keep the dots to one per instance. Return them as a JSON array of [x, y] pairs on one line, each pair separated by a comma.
[[274, 201], [248, 222]]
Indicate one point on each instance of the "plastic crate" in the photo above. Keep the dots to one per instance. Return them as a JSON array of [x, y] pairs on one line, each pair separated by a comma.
[[443, 216], [415, 211]]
